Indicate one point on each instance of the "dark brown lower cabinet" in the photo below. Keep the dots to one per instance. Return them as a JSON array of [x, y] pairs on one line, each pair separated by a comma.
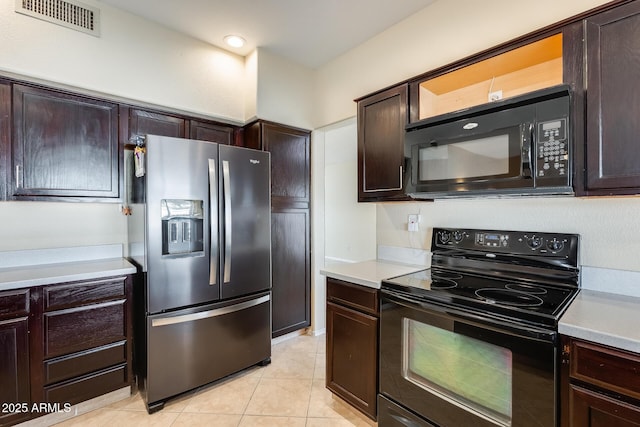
[[85, 332], [601, 386], [63, 344], [14, 357], [352, 344]]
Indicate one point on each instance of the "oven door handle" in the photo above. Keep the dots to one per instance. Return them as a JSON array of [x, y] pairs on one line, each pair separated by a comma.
[[500, 326]]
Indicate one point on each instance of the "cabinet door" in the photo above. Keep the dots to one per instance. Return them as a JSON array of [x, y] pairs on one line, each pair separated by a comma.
[[588, 408], [613, 101], [64, 145], [143, 122], [5, 136], [290, 165], [14, 369], [204, 131], [381, 121], [291, 266], [352, 357]]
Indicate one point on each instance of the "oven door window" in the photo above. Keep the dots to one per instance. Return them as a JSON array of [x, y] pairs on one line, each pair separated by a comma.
[[490, 155], [456, 370], [465, 371]]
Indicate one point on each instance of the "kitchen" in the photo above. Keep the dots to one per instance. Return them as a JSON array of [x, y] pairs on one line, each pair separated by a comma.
[[606, 225]]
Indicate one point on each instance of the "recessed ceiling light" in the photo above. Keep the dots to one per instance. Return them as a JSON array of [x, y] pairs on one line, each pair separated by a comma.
[[234, 41]]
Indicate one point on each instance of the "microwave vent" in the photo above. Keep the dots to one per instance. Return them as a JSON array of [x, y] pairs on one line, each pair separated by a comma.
[[68, 13]]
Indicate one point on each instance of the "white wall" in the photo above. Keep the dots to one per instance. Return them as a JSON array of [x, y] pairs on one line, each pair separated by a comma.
[[348, 224], [342, 229], [609, 227], [443, 32], [40, 225], [284, 91], [132, 58]]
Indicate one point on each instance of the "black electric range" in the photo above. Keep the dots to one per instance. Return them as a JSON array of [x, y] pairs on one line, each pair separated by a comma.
[[520, 276]]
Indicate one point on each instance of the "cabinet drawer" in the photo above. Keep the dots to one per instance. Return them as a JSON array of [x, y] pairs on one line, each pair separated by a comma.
[[14, 303], [87, 387], [352, 295], [82, 328], [612, 369], [77, 364], [74, 294]]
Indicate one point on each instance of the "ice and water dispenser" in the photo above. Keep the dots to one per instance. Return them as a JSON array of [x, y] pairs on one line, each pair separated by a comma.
[[182, 226]]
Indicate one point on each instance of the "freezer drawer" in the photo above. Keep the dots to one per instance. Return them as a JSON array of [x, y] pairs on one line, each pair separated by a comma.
[[193, 347]]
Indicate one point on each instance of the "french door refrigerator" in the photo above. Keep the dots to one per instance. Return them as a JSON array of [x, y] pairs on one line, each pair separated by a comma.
[[200, 233]]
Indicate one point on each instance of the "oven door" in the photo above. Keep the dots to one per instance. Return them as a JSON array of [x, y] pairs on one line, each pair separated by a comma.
[[457, 369]]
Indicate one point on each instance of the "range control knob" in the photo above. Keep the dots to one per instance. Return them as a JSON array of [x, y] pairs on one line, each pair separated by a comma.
[[534, 242], [555, 245], [445, 236], [458, 235]]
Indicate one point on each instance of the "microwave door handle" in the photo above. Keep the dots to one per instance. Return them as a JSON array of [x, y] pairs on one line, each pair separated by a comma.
[[526, 147], [213, 223]]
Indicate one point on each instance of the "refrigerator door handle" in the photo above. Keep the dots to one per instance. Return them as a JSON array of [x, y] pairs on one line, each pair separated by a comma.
[[226, 181], [164, 321], [213, 223]]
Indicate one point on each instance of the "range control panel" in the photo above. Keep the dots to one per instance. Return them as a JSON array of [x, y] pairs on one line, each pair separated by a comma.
[[508, 242]]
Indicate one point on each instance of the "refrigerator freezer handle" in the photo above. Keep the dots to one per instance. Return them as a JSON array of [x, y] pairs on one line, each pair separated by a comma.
[[164, 321], [213, 223], [226, 181]]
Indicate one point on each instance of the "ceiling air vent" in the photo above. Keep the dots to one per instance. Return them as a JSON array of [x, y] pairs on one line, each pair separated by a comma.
[[69, 13]]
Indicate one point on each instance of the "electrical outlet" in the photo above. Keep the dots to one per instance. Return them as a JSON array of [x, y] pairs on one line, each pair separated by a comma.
[[495, 96], [412, 222]]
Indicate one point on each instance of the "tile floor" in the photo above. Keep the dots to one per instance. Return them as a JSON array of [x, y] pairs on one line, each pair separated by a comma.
[[288, 392]]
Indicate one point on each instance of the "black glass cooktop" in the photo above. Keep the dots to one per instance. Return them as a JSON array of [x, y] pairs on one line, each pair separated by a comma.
[[513, 299]]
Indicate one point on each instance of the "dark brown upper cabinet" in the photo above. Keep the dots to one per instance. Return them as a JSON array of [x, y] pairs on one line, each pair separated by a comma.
[[205, 131], [64, 145], [612, 147], [5, 135], [382, 118], [290, 150], [143, 122]]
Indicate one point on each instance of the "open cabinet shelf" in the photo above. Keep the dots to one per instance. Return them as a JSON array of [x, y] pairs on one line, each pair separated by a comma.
[[531, 67]]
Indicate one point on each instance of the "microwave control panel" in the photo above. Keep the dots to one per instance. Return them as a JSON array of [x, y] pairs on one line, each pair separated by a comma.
[[552, 149]]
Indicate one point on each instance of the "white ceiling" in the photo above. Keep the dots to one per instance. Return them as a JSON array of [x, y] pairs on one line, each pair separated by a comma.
[[308, 32]]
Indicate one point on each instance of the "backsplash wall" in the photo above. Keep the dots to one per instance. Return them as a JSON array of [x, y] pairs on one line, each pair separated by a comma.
[[609, 227], [44, 225]]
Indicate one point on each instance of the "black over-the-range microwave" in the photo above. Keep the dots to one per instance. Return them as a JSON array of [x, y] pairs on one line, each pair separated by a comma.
[[516, 146]]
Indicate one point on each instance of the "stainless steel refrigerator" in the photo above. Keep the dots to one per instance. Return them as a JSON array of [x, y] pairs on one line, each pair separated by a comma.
[[199, 231]]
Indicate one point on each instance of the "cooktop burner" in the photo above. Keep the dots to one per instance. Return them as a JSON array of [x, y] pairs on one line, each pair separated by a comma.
[[509, 297], [529, 289], [528, 277], [445, 275]]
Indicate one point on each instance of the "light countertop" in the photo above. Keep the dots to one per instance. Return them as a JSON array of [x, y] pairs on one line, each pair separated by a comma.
[[44, 274], [604, 318], [35, 267], [368, 273]]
